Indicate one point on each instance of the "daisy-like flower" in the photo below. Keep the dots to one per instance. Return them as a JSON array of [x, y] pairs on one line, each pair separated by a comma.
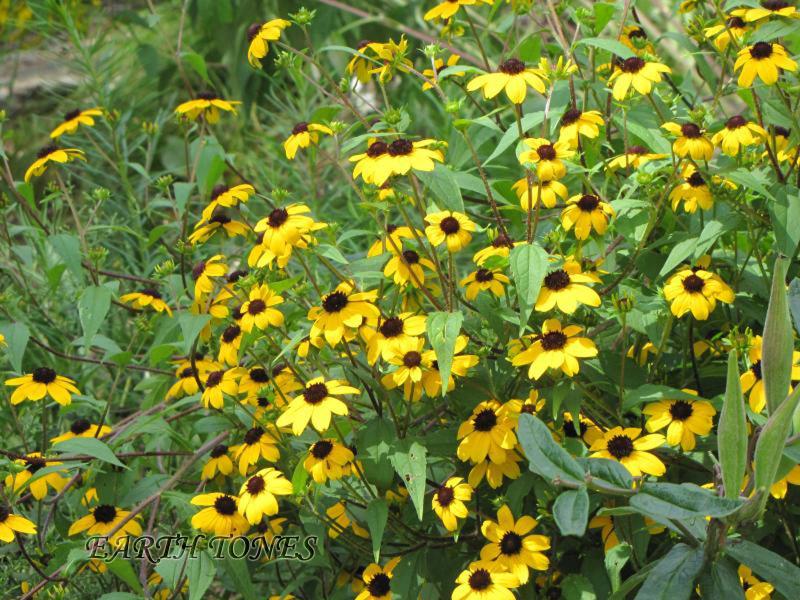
[[207, 105], [316, 405], [485, 580], [752, 379], [411, 364], [635, 38], [340, 310], [547, 157], [227, 197], [42, 382], [360, 65], [697, 291], [500, 247], [369, 163], [754, 588], [147, 298], [511, 546], [768, 8], [439, 65], [488, 432], [762, 59], [575, 123], [11, 525], [738, 132], [338, 514], [391, 240], [253, 381], [684, 419], [515, 407], [187, 377], [637, 73], [218, 221], [407, 267], [378, 580], [257, 495], [392, 58], [303, 135], [608, 531], [256, 444], [204, 272], [547, 191], [452, 228], [229, 343], [103, 519], [82, 428], [634, 156], [258, 311], [328, 459], [219, 384], [449, 502], [482, 280], [566, 289], [586, 212], [389, 333], [694, 192], [259, 35], [75, 118], [691, 141], [219, 461], [556, 348], [448, 8], [52, 154], [780, 488], [32, 463], [586, 429], [221, 515], [626, 447], [286, 227], [733, 29], [514, 77], [495, 473], [402, 156]]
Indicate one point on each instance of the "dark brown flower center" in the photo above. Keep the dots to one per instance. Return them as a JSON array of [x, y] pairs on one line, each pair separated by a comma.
[[321, 449], [529, 409], [483, 275], [392, 327], [218, 450], [72, 114], [557, 280], [259, 375], [34, 463], [44, 375], [278, 217], [511, 544], [198, 270], [151, 292], [696, 180], [214, 378], [588, 203], [4, 513], [412, 359], [105, 513], [484, 420], [231, 333], [256, 307], [680, 410], [253, 435], [571, 116], [410, 257], [756, 369], [513, 66], [379, 585], [450, 225], [691, 130], [620, 446], [634, 64], [736, 23], [218, 190], [502, 241], [187, 372], [774, 4], [256, 484], [315, 393], [637, 150], [236, 275], [300, 128], [637, 33], [553, 340], [207, 96], [445, 495], [781, 131], [377, 149], [225, 505], [546, 152], [262, 402], [334, 302], [569, 429], [220, 218], [401, 147], [46, 150], [761, 50], [253, 31], [480, 580], [693, 284], [80, 426], [736, 122]]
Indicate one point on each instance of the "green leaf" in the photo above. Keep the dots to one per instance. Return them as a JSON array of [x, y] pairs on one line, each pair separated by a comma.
[[607, 470], [17, 336], [767, 565], [771, 441], [653, 393], [377, 515], [92, 310], [612, 46], [240, 576], [794, 302], [68, 247], [571, 511], [603, 13], [679, 253], [577, 587], [411, 464], [299, 478], [91, 447], [197, 63], [442, 329], [200, 572], [123, 569], [673, 576], [721, 582], [778, 344], [191, 326], [681, 501], [528, 263], [545, 456], [752, 180], [442, 183], [785, 217], [615, 560], [732, 432]]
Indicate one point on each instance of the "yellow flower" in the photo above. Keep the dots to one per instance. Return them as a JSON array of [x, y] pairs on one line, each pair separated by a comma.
[[779, 488], [338, 514], [378, 580], [485, 580], [286, 227], [585, 212], [691, 141], [495, 472], [412, 364], [219, 384], [383, 339], [258, 311], [511, 546], [341, 310], [187, 377], [513, 76], [222, 195], [207, 106], [500, 247], [448, 502], [84, 429], [147, 297], [33, 462], [487, 433], [316, 405], [221, 515], [547, 157], [586, 430], [697, 291], [11, 525], [52, 154], [360, 65], [556, 348], [391, 240], [452, 228], [103, 519], [255, 445], [734, 28], [564, 288], [635, 38], [204, 271], [218, 461], [764, 60], [303, 135], [634, 156], [754, 589], [752, 379], [398, 158], [484, 279], [219, 220], [683, 418], [392, 57], [75, 118], [432, 75], [636, 73], [259, 36], [547, 191], [575, 123], [448, 8], [328, 459], [738, 132], [608, 531], [257, 494], [626, 447], [40, 383], [229, 343], [407, 267], [768, 8]]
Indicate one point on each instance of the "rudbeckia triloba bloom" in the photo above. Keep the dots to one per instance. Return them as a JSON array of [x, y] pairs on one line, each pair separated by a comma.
[[412, 364], [286, 227], [207, 105], [228, 197], [340, 310], [768, 8], [448, 8], [495, 473], [501, 247], [206, 228], [11, 525], [218, 461], [487, 432], [407, 267], [754, 588], [258, 311], [565, 289], [44, 381], [696, 291], [636, 73], [338, 514], [752, 380], [103, 519], [575, 123], [378, 581], [626, 447], [359, 65], [448, 502], [391, 240], [511, 546], [781, 487], [204, 271], [694, 191], [548, 191], [452, 228], [547, 157], [513, 76], [691, 141], [219, 384], [402, 156], [586, 429], [390, 332], [256, 444], [303, 135], [482, 280], [52, 154], [485, 580], [73, 119], [316, 405], [392, 57], [683, 418], [635, 38], [257, 495], [32, 463], [328, 459], [556, 348], [82, 428], [586, 212], [221, 515], [438, 66], [734, 28], [762, 59], [229, 343], [188, 375], [259, 35], [634, 156], [147, 298]]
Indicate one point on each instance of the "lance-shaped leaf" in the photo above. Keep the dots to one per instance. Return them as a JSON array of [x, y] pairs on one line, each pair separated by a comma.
[[778, 344], [674, 575], [545, 456], [571, 511], [771, 441], [443, 329], [732, 432], [528, 264]]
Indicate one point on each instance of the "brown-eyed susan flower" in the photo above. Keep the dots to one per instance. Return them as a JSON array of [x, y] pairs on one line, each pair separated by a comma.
[[340, 310], [690, 141], [145, 298], [488, 432], [408, 267], [513, 76], [392, 57], [378, 580], [575, 123], [586, 212], [75, 118], [445, 10], [42, 382], [693, 191], [547, 157], [256, 444], [219, 221], [286, 226], [754, 588], [390, 332], [449, 502], [220, 515], [188, 376], [482, 280], [635, 38], [556, 348], [752, 380], [586, 429], [337, 513], [369, 162], [258, 311], [103, 519], [495, 473], [733, 29], [229, 343], [737, 133], [11, 525], [768, 8], [449, 227], [204, 273], [228, 197], [253, 381], [485, 580], [302, 136], [410, 364], [219, 461], [762, 59], [219, 384], [328, 459], [207, 105], [517, 406], [697, 291], [361, 65], [259, 35], [33, 462], [643, 353], [500, 247], [512, 545], [634, 156], [391, 240], [625, 446], [608, 531], [637, 73], [565, 288], [547, 191], [684, 419], [257, 495], [82, 428], [402, 156], [52, 154], [432, 75], [316, 405], [780, 488]]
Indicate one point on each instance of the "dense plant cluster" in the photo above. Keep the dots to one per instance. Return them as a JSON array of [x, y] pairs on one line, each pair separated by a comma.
[[463, 299]]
